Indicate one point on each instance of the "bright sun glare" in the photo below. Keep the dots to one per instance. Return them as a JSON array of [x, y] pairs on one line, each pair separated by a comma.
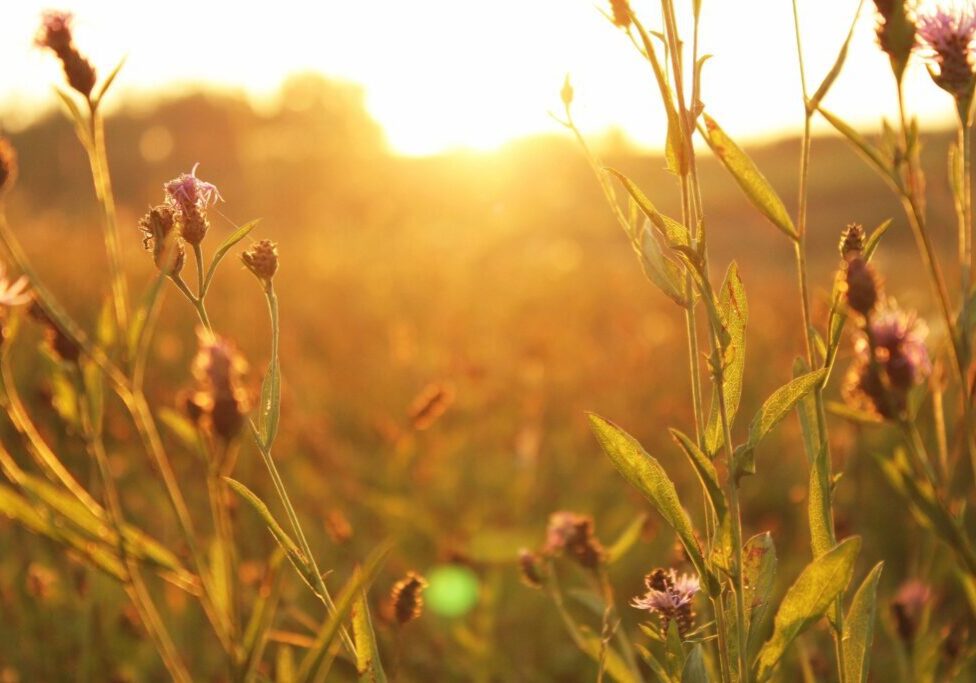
[[446, 74]]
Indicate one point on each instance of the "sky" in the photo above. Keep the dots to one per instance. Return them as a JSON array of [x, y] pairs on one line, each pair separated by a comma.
[[472, 74]]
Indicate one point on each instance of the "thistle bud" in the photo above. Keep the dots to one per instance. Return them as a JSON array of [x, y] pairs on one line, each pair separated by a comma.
[[8, 166], [55, 35], [262, 260], [861, 285], [852, 241], [574, 534], [193, 225], [406, 597], [896, 33]]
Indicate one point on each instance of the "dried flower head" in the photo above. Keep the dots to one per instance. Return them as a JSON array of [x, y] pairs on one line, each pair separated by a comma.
[[8, 165], [262, 260], [406, 597], [907, 607], [945, 33], [219, 369], [574, 534], [55, 35], [530, 568], [852, 241], [861, 285], [621, 13], [669, 595], [159, 232]]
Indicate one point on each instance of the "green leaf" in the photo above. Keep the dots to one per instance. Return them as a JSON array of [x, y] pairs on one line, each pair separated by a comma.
[[270, 412], [776, 407], [140, 320], [733, 311], [695, 671], [263, 613], [859, 627], [97, 97], [646, 474], [181, 427], [226, 246], [836, 68], [875, 238], [81, 125], [675, 152], [759, 574], [672, 231], [750, 179], [361, 579], [874, 156], [660, 269], [284, 665], [807, 600], [368, 662], [627, 539], [705, 469], [297, 558]]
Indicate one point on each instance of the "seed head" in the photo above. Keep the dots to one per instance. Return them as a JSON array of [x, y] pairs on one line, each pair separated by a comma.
[[851, 241], [574, 534], [861, 286], [945, 39], [406, 597], [669, 596], [262, 260], [621, 13], [158, 228], [530, 568], [55, 35], [8, 165]]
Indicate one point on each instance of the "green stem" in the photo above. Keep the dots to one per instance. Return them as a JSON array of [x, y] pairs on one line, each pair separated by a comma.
[[98, 159], [820, 460]]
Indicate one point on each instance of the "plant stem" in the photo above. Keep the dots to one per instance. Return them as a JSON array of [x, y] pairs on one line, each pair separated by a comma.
[[820, 460], [98, 159]]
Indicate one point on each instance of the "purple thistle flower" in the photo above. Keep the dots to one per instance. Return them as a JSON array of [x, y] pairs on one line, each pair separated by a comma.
[[190, 194], [945, 32], [899, 339], [55, 31], [676, 592]]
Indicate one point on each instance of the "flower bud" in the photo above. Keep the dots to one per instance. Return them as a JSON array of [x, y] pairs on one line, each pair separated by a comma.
[[852, 241], [621, 13], [406, 597], [861, 285], [262, 260], [193, 225]]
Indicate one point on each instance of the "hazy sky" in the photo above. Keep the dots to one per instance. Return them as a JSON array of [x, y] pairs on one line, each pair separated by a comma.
[[441, 74]]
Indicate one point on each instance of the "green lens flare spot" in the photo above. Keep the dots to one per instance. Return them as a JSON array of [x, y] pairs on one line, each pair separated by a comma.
[[452, 590]]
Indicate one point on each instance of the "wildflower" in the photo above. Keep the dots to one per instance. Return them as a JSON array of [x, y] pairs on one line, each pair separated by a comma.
[[262, 260], [574, 534], [621, 13], [896, 33], [945, 36], [187, 192], [669, 596], [189, 197], [860, 285], [8, 165], [852, 241], [158, 226], [55, 35], [907, 608], [221, 400], [530, 569], [406, 597], [891, 358]]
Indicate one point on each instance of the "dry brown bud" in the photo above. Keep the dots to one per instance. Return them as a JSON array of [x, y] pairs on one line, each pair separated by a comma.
[[861, 285], [158, 227], [193, 225], [852, 241], [262, 260], [406, 597]]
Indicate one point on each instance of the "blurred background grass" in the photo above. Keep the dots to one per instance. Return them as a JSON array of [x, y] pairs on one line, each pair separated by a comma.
[[500, 277]]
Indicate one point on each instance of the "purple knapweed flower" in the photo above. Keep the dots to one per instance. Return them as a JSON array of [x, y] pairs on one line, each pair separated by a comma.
[[190, 194], [669, 596], [945, 32], [899, 344]]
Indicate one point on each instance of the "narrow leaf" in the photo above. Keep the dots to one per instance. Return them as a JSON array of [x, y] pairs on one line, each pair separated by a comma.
[[226, 246], [859, 627], [627, 539], [367, 653], [836, 68], [759, 574], [695, 671], [646, 474], [748, 176], [733, 312]]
